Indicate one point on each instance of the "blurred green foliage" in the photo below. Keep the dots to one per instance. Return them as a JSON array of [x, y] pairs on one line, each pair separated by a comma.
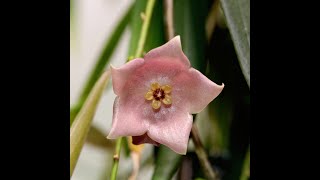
[[237, 13], [155, 35], [101, 63]]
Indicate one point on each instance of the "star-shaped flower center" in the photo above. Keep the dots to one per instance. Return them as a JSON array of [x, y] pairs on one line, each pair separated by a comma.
[[159, 94]]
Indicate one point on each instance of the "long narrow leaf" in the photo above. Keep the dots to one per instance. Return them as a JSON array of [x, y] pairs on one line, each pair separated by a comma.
[[189, 23], [237, 13], [246, 167], [101, 63], [97, 138], [82, 123]]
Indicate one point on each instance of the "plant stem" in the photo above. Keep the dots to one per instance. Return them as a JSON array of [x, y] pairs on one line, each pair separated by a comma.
[[202, 155], [116, 158], [145, 26], [168, 13], [142, 40]]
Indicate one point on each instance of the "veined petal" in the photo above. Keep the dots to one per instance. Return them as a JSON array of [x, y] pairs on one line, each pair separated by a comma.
[[125, 121], [172, 50], [172, 132], [120, 75]]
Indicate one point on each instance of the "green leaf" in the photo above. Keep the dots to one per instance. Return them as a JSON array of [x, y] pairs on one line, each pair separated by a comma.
[[167, 163], [189, 23], [246, 167], [101, 63], [237, 13], [97, 138], [226, 131], [82, 123]]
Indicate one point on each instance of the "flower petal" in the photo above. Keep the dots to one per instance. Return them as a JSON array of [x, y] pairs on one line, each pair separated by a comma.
[[172, 50], [172, 132], [120, 75], [136, 140], [125, 122], [196, 89], [134, 112]]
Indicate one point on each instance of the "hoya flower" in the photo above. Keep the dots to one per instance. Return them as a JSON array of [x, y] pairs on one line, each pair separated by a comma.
[[156, 96]]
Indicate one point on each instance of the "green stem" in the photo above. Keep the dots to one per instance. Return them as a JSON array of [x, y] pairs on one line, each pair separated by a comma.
[[142, 40], [145, 26], [168, 14], [101, 63], [116, 158]]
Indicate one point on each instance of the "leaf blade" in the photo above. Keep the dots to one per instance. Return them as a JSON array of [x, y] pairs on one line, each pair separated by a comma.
[[82, 123], [246, 166], [189, 23], [101, 62], [237, 13]]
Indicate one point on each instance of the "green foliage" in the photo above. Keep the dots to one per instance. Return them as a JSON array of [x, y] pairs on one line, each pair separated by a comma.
[[97, 138], [81, 126], [155, 36], [189, 23], [101, 62], [246, 167], [229, 111], [237, 13]]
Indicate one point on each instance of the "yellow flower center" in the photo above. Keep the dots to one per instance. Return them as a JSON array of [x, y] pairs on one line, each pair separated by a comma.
[[159, 94]]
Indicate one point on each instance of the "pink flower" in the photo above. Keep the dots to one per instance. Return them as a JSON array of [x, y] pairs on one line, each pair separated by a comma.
[[156, 96]]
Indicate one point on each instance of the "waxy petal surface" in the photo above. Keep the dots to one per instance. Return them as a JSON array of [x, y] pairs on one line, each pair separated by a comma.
[[171, 50], [196, 90], [173, 133], [125, 123], [170, 124], [120, 75]]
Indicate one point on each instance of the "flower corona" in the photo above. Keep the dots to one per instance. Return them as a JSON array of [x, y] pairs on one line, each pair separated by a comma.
[[159, 94]]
